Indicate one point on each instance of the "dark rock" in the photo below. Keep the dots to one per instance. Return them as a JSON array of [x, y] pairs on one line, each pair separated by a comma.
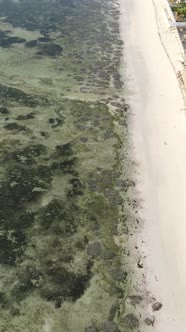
[[26, 117], [64, 150], [44, 134], [130, 321], [126, 107], [135, 299], [118, 274], [149, 321], [122, 123], [113, 197], [140, 264], [2, 34], [125, 184], [31, 43], [66, 166], [94, 185], [79, 78], [113, 311], [91, 328], [157, 306], [76, 188], [44, 39], [111, 193], [94, 249], [84, 139], [8, 41], [4, 110], [84, 90], [51, 50], [109, 326], [108, 134], [14, 94], [58, 303], [107, 254], [115, 104], [15, 126], [81, 127], [51, 120], [95, 123]]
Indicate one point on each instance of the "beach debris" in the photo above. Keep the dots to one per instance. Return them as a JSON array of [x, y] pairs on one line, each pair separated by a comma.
[[157, 306], [149, 321], [140, 264]]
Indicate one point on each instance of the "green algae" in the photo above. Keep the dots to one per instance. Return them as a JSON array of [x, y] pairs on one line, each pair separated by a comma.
[[8, 94], [51, 50], [63, 187]]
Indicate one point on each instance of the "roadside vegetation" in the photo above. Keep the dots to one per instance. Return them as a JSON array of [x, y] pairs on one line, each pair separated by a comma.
[[179, 10]]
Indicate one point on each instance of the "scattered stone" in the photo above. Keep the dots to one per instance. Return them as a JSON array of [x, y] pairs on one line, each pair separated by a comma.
[[26, 117], [44, 39], [125, 184], [31, 43], [157, 306], [140, 264], [126, 107], [118, 274], [84, 139], [109, 326], [113, 196], [113, 311], [81, 127], [149, 321], [9, 41], [84, 90], [94, 249], [122, 123], [58, 303], [115, 104], [95, 123], [91, 328], [135, 299], [51, 50], [44, 134], [51, 120], [15, 126], [107, 254], [4, 110], [130, 321], [79, 78]]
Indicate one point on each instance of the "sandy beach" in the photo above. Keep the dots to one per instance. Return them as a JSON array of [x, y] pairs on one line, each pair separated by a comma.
[[152, 58]]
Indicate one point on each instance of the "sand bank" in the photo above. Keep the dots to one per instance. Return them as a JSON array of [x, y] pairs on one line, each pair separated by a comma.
[[153, 56]]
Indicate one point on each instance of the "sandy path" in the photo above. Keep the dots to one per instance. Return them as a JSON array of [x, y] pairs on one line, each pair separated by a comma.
[[159, 137]]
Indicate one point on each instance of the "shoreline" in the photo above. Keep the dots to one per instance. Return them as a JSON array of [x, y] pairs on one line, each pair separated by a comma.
[[158, 133]]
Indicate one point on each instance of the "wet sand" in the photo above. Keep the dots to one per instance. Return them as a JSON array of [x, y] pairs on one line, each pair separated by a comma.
[[158, 132]]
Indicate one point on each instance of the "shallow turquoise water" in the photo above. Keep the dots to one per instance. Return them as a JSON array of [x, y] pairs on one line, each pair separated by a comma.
[[64, 182]]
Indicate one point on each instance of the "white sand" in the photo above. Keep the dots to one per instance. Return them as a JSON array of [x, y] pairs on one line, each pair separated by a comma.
[[159, 139]]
